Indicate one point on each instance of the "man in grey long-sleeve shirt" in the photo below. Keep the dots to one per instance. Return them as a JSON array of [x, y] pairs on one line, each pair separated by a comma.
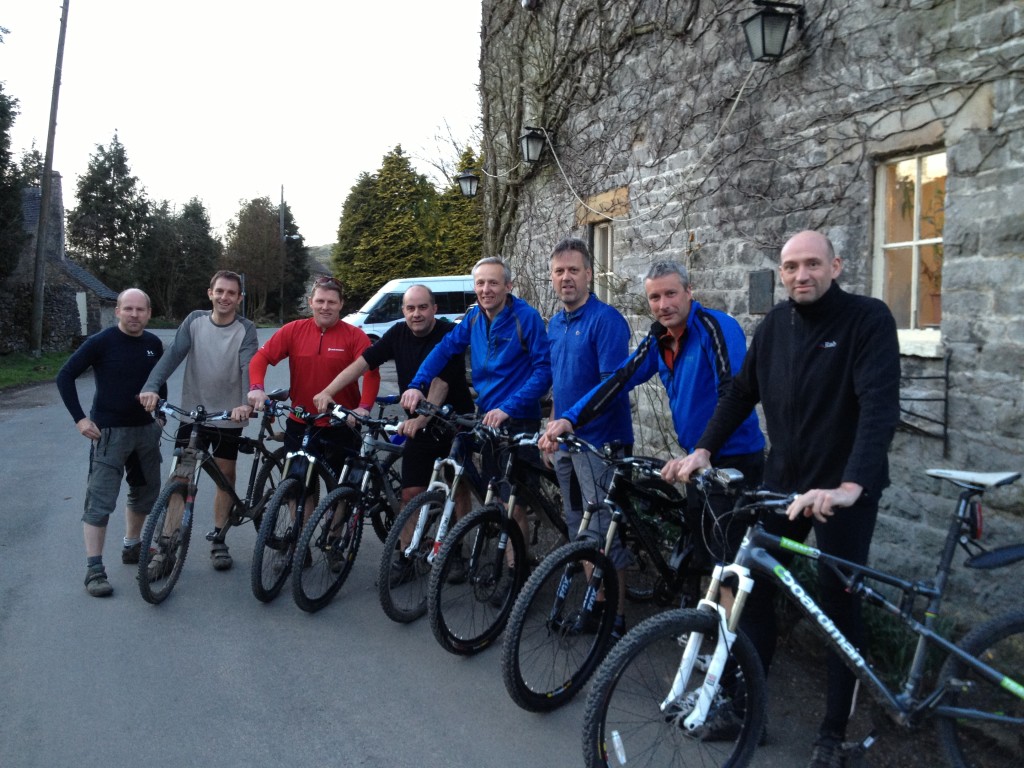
[[217, 346]]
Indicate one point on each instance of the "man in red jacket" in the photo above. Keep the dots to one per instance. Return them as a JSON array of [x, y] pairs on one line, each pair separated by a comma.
[[318, 349]]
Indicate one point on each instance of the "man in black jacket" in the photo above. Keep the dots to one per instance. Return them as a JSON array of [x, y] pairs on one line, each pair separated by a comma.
[[825, 366]]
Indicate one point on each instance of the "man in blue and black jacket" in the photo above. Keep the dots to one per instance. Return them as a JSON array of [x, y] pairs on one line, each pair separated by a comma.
[[695, 351]]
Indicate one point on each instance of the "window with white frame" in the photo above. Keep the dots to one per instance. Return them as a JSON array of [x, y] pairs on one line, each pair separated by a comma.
[[601, 237], [909, 216]]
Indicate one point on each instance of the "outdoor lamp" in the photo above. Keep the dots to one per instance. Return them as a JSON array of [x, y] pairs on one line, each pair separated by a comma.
[[468, 182], [766, 30], [532, 144]]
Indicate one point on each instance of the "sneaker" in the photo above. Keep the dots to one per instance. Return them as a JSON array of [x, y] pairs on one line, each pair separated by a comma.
[[457, 571], [96, 583], [501, 589], [160, 565], [219, 556], [403, 570], [588, 625], [828, 753], [130, 554], [618, 628]]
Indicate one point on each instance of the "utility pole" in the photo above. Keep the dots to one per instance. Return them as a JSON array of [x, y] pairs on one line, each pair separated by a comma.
[[284, 255], [39, 280]]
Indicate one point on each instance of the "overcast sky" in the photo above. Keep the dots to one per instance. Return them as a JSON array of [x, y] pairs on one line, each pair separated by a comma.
[[229, 100]]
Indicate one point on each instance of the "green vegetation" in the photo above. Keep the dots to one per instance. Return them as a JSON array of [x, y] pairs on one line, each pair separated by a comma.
[[20, 368], [394, 223]]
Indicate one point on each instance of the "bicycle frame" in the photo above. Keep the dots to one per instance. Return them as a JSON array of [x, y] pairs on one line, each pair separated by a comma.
[[460, 462], [908, 706]]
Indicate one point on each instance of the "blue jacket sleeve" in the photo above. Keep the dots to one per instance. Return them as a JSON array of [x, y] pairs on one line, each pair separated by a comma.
[[639, 367]]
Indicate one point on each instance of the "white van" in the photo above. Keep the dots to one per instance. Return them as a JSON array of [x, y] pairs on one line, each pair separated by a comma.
[[454, 294]]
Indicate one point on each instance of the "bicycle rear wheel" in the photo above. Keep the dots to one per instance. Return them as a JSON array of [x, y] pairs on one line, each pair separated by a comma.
[[967, 739], [275, 542], [327, 549], [165, 539], [626, 722], [554, 642], [378, 510], [468, 611], [402, 582]]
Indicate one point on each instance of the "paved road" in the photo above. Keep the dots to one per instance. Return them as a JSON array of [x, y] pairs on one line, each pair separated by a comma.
[[212, 677]]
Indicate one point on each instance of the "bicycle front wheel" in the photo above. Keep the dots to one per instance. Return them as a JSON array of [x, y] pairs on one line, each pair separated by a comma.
[[557, 635], [991, 734], [327, 549], [472, 586], [275, 542], [165, 540], [266, 482], [627, 722], [402, 580]]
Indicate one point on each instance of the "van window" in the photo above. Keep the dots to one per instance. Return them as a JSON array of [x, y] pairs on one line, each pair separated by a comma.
[[388, 309], [452, 302]]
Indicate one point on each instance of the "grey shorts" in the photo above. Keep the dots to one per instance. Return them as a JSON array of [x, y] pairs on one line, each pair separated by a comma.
[[131, 452], [593, 476]]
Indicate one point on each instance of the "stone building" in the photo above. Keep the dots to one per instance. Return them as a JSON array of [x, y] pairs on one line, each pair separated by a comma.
[[76, 303], [895, 127]]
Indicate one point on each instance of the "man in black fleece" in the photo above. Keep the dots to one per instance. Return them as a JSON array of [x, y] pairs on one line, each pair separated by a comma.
[[825, 366]]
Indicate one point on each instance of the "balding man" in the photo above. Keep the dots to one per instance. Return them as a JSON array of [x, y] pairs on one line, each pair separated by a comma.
[[124, 438], [825, 367], [408, 344]]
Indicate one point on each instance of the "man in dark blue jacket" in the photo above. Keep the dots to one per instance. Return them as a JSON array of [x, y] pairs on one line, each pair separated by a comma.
[[124, 439], [825, 367]]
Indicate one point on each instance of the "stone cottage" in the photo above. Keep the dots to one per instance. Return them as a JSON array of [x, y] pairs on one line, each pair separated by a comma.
[[896, 128], [76, 303]]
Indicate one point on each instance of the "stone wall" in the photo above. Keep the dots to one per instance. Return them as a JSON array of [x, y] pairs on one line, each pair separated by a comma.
[[61, 327], [723, 160]]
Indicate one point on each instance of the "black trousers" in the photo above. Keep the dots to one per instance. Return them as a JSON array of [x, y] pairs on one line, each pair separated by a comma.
[[847, 534]]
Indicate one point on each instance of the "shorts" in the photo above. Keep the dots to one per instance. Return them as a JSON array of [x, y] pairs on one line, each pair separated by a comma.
[[592, 476], [122, 452], [419, 454], [222, 443], [334, 445]]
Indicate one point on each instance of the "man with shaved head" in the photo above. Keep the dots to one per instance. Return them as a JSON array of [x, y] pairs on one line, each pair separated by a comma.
[[825, 366], [124, 438]]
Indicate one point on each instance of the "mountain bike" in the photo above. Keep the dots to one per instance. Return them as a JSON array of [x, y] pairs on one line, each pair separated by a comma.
[[306, 477], [368, 487], [675, 679], [168, 528], [483, 563], [559, 629]]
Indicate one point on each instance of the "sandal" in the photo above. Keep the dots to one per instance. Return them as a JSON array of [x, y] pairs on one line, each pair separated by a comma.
[[219, 556]]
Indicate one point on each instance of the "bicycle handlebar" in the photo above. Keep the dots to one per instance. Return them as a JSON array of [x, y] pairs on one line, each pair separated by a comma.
[[200, 415]]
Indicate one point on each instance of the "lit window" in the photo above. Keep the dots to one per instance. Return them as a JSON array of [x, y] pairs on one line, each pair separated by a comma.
[[909, 217]]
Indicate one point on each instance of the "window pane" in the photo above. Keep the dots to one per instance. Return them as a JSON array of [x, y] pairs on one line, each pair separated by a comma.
[[929, 291], [933, 196], [898, 264], [899, 201]]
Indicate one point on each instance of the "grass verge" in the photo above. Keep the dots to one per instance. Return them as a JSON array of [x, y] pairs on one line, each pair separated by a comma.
[[20, 368]]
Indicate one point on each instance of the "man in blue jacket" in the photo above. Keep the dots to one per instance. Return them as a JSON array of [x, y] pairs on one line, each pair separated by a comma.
[[509, 356], [695, 351]]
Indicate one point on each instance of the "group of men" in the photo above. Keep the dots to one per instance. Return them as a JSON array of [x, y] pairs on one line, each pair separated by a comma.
[[824, 365]]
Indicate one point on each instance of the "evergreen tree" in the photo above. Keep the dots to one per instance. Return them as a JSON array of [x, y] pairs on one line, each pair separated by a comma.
[[12, 233], [459, 228], [276, 270], [179, 253], [107, 227], [386, 229]]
